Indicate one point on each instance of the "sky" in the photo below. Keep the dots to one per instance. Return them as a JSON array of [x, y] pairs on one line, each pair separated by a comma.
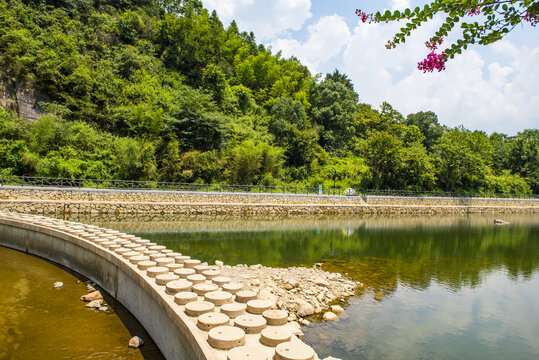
[[492, 88]]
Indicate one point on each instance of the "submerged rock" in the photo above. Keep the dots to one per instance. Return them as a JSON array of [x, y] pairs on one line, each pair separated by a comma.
[[135, 342], [58, 285]]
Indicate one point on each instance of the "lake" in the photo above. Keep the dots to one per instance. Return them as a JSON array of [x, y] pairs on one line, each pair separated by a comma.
[[435, 287]]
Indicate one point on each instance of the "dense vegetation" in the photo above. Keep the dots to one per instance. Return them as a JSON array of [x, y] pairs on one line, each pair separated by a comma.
[[161, 90]]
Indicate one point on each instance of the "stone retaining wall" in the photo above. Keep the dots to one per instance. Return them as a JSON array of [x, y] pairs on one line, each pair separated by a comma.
[[95, 201]]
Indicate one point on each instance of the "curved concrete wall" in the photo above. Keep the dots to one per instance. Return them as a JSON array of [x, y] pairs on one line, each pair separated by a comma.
[[175, 336]]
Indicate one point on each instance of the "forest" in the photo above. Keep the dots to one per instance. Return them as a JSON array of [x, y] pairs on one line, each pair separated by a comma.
[[163, 91]]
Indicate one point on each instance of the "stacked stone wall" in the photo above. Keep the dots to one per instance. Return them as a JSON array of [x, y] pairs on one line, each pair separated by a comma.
[[94, 201]]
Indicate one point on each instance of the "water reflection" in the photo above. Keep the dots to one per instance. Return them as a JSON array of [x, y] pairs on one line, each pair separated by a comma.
[[435, 287]]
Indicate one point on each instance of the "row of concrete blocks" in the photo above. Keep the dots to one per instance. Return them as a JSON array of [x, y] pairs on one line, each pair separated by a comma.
[[236, 324]]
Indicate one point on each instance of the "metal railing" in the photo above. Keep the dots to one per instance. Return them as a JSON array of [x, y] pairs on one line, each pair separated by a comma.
[[9, 180]]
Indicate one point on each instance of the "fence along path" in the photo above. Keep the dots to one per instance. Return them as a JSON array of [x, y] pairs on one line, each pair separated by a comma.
[[11, 180], [221, 321]]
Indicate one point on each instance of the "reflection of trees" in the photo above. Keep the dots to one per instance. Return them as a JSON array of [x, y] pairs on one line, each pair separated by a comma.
[[380, 258]]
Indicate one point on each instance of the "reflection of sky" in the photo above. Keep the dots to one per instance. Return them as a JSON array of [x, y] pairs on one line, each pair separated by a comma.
[[497, 320]]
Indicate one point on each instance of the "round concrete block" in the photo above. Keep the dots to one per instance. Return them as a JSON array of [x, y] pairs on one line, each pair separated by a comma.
[[258, 306], [251, 324], [202, 288], [190, 263], [294, 351], [246, 353], [244, 296], [232, 287], [127, 236], [166, 251], [156, 270], [150, 252], [132, 246], [164, 279], [197, 308], [146, 264], [164, 261], [200, 268], [121, 250], [274, 336], [185, 297], [210, 274], [110, 231], [220, 280], [114, 247], [140, 249], [181, 259], [184, 273], [275, 317], [139, 258], [174, 267], [156, 256], [226, 337], [130, 254], [157, 247], [177, 286], [107, 244], [219, 298], [196, 278], [173, 254], [123, 242], [151, 244], [142, 241], [211, 320], [233, 310]]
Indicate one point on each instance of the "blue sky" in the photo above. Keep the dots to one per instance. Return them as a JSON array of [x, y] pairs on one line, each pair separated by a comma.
[[494, 88]]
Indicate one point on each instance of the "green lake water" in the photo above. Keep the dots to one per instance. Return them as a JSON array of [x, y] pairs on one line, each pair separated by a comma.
[[39, 322], [434, 287]]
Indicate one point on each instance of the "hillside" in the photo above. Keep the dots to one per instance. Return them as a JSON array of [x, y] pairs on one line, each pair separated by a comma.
[[153, 90]]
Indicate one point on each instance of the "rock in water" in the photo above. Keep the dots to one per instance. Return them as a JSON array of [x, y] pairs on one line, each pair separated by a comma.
[[337, 309], [500, 222], [329, 316], [135, 342], [103, 309], [96, 295], [58, 285], [95, 304]]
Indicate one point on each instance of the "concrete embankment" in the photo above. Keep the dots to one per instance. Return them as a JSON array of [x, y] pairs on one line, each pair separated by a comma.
[[98, 201], [191, 310]]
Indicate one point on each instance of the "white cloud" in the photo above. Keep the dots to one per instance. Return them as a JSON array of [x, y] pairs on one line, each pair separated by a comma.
[[326, 39], [490, 97], [400, 4], [266, 18]]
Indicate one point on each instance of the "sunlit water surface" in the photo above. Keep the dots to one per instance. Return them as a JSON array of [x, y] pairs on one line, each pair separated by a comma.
[[434, 287]]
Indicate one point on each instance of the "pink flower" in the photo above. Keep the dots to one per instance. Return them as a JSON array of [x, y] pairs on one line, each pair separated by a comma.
[[533, 20], [473, 12], [433, 61]]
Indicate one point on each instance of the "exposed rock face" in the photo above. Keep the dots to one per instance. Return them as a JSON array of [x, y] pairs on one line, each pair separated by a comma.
[[96, 295], [22, 99], [135, 342]]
